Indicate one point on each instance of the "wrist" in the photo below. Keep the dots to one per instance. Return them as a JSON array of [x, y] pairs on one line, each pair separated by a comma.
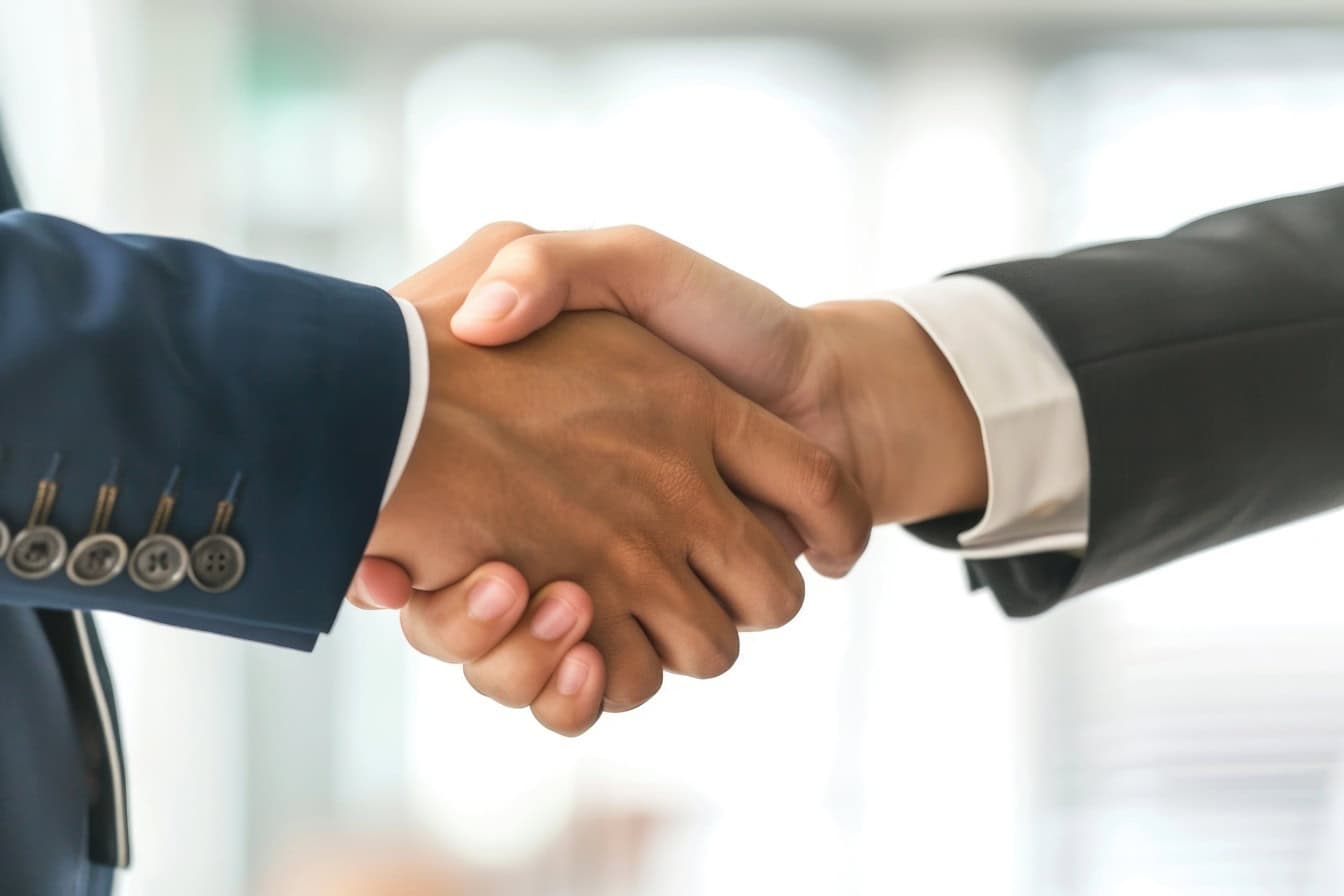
[[918, 450]]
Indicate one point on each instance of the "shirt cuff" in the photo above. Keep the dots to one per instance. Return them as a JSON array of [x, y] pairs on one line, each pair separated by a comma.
[[416, 396], [1031, 418]]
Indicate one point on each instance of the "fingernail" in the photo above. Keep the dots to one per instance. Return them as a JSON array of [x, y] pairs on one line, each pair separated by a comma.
[[488, 302], [362, 593], [554, 619], [572, 676], [488, 600]]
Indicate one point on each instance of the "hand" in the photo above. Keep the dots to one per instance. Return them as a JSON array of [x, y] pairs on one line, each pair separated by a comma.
[[594, 452], [475, 623], [862, 378]]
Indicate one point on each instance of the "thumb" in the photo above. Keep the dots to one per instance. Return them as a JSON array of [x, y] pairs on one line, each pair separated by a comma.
[[526, 286], [380, 585], [746, 335]]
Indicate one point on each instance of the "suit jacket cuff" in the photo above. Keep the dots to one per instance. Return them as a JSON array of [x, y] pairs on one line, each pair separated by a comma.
[[1031, 420]]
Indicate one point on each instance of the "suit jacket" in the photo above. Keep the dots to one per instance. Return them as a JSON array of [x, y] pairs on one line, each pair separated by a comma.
[[153, 355], [1210, 365]]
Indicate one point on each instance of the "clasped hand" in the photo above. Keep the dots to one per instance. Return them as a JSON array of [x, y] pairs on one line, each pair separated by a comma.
[[656, 511]]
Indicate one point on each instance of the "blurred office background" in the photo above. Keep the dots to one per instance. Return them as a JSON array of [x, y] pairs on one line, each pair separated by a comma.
[[1179, 734]]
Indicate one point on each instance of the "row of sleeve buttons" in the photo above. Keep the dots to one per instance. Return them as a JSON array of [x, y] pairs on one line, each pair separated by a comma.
[[160, 561]]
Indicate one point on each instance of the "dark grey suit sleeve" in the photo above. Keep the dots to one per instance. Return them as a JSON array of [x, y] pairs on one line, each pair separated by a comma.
[[1210, 364]]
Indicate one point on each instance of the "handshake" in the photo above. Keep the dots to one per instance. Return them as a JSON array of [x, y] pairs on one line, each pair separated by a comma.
[[619, 494]]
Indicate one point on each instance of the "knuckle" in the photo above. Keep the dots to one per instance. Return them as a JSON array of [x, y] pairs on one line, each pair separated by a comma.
[[411, 632], [711, 655], [566, 724], [422, 636], [852, 537], [637, 235], [502, 232], [635, 554], [510, 690], [442, 626], [632, 688], [636, 245], [823, 477], [529, 255], [782, 604], [857, 541], [679, 482]]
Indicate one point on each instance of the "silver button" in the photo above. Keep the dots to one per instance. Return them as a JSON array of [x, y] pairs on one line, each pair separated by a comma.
[[159, 562], [217, 563], [37, 552], [97, 559], [4, 538]]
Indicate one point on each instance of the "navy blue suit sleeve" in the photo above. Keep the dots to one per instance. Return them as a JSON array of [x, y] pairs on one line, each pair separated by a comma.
[[164, 353]]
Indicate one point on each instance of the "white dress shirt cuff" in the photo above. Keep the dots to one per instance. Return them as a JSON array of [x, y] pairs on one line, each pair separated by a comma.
[[416, 397], [1031, 418]]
